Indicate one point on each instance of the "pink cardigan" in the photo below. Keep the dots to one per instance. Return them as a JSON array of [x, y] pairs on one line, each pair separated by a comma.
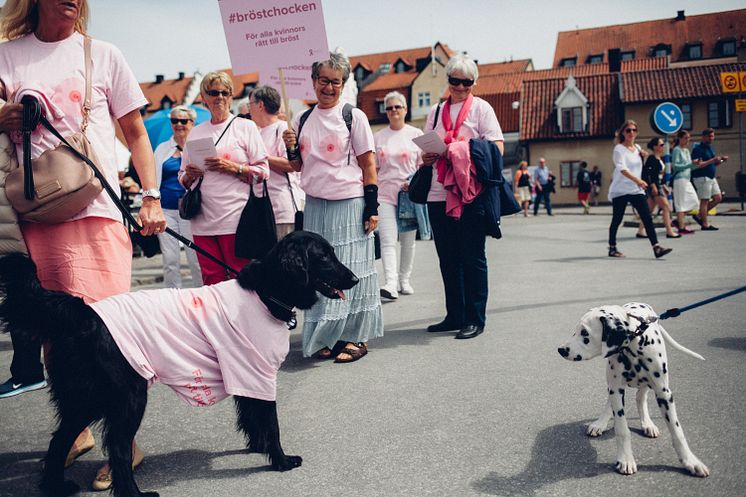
[[459, 178]]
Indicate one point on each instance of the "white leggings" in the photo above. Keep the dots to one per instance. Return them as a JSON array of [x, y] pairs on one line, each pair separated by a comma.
[[388, 231], [171, 251]]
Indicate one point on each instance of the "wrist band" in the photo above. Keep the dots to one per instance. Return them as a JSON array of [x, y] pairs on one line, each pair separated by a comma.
[[370, 195], [294, 153]]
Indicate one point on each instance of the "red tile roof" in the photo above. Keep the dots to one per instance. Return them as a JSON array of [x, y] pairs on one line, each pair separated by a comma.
[[238, 83], [642, 36], [539, 119], [372, 62], [391, 81], [675, 83], [174, 89], [506, 115], [504, 67]]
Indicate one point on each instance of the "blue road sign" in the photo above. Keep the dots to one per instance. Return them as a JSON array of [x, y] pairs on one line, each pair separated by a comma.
[[667, 118]]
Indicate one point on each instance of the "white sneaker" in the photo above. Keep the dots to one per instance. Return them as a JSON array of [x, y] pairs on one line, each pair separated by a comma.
[[405, 288], [389, 292]]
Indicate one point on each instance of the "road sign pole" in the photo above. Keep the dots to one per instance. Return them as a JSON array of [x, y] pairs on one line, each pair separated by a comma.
[[740, 148]]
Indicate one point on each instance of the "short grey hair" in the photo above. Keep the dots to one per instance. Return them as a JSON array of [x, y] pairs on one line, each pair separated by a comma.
[[395, 95], [336, 62], [269, 97], [183, 109], [464, 65]]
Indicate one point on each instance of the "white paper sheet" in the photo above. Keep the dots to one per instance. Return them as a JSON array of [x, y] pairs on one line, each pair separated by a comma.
[[199, 150], [430, 143]]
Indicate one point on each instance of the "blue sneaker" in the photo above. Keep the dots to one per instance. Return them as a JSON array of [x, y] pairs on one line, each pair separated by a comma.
[[11, 388]]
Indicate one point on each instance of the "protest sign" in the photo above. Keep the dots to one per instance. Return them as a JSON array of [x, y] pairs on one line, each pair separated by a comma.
[[298, 83], [267, 34]]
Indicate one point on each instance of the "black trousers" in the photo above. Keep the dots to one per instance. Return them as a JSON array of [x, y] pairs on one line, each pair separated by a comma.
[[463, 265], [640, 203]]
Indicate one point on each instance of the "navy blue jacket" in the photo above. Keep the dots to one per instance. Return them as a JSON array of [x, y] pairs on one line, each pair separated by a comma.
[[485, 209]]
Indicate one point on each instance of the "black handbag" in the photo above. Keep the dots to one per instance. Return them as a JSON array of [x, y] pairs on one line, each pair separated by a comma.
[[508, 204], [256, 233], [191, 202], [419, 185], [298, 219]]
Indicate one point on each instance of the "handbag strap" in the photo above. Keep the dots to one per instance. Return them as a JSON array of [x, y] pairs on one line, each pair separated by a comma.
[[88, 66], [226, 129]]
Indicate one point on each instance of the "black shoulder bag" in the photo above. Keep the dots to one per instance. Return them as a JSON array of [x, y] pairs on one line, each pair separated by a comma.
[[256, 233]]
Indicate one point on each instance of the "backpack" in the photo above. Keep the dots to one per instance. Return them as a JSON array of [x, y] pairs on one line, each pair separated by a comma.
[[346, 115]]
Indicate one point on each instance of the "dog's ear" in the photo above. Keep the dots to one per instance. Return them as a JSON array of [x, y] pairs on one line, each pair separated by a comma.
[[294, 263], [614, 333]]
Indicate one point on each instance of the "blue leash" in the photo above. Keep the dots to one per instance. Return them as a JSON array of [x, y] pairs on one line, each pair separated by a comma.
[[675, 312]]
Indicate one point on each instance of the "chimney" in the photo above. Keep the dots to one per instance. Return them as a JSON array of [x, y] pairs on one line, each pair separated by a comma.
[[680, 16], [615, 60], [181, 76], [158, 78]]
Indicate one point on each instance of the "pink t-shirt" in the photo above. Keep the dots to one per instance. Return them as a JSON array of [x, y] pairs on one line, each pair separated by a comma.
[[397, 157], [325, 144], [277, 184], [205, 343], [224, 195], [58, 69], [481, 122]]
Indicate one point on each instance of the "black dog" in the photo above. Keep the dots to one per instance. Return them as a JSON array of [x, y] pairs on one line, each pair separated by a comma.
[[91, 380]]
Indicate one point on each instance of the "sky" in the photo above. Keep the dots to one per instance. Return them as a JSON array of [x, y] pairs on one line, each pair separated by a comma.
[[171, 36]]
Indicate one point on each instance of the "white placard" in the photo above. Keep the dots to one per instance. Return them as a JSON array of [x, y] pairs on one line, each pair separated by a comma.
[[430, 143], [200, 149]]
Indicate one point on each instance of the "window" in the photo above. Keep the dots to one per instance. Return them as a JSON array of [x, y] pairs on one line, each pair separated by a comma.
[[384, 68], [718, 114], [596, 59], [727, 48], [569, 62], [359, 74], [400, 67], [247, 89], [166, 103], [660, 50], [686, 111], [382, 107], [630, 55], [423, 99], [572, 119], [694, 51], [569, 174]]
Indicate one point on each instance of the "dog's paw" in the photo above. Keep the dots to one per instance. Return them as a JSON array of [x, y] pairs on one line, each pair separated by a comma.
[[59, 489], [696, 467], [596, 429], [650, 430], [287, 463], [626, 465]]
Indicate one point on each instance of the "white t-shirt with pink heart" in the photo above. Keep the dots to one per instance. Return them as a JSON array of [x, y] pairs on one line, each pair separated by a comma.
[[277, 184], [224, 195], [481, 122], [397, 157], [205, 343], [58, 70], [325, 145]]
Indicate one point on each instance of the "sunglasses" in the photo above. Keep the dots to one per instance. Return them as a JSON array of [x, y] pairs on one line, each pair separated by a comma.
[[630, 130], [394, 107], [180, 121], [215, 93], [336, 83], [457, 81]]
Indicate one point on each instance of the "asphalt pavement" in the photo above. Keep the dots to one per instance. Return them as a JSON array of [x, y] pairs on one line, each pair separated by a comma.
[[502, 414]]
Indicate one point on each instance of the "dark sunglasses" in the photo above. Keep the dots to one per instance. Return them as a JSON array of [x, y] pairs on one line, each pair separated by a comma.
[[630, 130], [457, 81], [180, 121], [394, 107], [215, 93]]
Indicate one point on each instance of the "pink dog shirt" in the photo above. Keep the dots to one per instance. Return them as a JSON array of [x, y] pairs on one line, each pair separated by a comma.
[[205, 343]]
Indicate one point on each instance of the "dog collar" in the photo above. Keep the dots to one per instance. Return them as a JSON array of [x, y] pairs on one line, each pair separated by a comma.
[[281, 311]]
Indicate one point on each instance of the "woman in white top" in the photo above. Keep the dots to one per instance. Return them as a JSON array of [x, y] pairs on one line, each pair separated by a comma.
[[338, 168], [398, 157], [628, 188]]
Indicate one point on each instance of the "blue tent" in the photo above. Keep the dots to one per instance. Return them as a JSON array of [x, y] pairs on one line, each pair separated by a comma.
[[158, 125]]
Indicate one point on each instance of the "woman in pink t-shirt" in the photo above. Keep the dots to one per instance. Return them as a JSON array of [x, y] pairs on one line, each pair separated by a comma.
[[339, 177], [398, 157], [460, 243], [90, 254], [225, 179]]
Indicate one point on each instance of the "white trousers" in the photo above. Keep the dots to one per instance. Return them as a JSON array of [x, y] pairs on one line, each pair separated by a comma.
[[171, 251], [388, 231]]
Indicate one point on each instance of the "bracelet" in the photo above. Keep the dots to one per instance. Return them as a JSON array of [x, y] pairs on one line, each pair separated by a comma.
[[240, 170]]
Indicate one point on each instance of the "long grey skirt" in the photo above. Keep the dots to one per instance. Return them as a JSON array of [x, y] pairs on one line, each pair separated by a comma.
[[359, 317]]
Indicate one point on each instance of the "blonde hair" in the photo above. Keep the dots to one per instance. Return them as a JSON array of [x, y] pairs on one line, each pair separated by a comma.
[[21, 17], [522, 163], [216, 76]]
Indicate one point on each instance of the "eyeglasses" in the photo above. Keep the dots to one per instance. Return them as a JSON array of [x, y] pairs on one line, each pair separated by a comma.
[[659, 144], [336, 83], [215, 93], [466, 83], [180, 121], [394, 107], [630, 130]]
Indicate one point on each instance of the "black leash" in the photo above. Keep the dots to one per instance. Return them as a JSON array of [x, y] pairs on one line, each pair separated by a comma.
[[676, 311]]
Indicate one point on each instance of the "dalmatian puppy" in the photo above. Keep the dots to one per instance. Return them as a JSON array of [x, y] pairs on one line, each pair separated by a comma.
[[631, 340]]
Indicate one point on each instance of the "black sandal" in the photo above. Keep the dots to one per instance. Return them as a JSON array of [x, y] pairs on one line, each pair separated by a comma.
[[613, 252]]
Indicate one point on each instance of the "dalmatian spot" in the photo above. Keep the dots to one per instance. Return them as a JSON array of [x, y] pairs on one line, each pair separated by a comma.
[[656, 374], [662, 403], [620, 413]]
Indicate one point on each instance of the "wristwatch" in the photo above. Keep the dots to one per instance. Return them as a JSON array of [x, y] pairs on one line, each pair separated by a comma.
[[152, 193]]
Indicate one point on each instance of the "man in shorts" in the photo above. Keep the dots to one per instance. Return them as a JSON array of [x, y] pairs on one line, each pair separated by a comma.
[[704, 179]]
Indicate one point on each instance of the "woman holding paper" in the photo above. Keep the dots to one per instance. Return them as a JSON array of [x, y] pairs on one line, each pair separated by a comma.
[[340, 181], [238, 159], [397, 158], [460, 243]]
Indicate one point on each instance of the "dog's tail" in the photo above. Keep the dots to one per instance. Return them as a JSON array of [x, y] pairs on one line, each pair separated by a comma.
[[677, 346]]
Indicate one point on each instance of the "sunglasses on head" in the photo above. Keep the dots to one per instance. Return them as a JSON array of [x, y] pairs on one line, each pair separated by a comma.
[[458, 81], [394, 107], [215, 93], [630, 130], [180, 121]]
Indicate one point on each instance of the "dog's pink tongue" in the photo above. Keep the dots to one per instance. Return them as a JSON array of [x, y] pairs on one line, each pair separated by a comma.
[[340, 293]]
